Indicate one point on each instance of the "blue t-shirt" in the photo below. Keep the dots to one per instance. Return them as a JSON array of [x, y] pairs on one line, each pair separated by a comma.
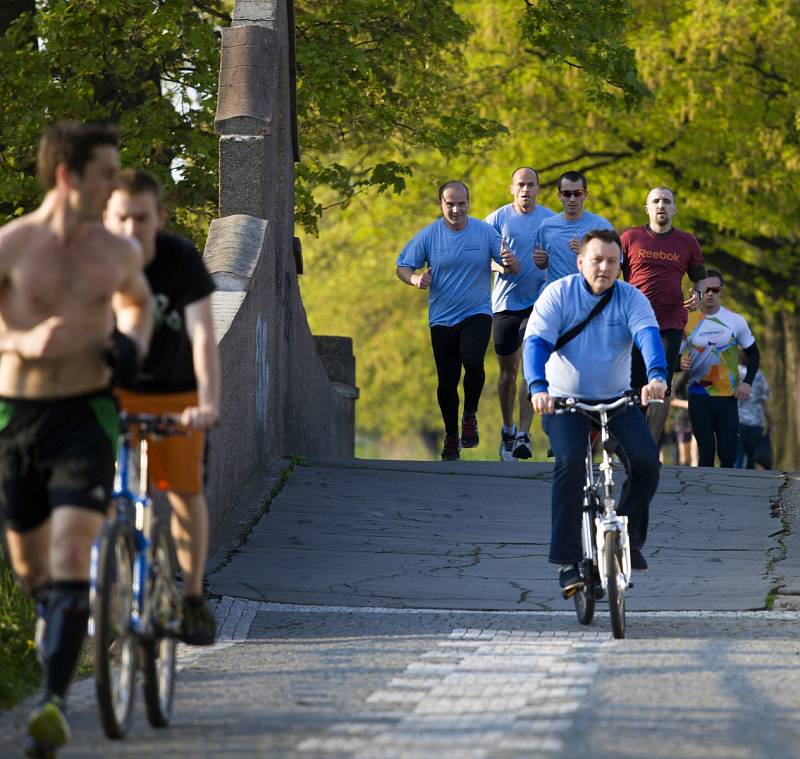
[[597, 362], [554, 236], [460, 265], [513, 292]]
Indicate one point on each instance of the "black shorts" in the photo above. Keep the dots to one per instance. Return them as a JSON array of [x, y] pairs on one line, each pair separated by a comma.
[[508, 330], [57, 452]]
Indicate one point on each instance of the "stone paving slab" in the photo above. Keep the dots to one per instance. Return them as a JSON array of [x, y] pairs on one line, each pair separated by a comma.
[[475, 535], [321, 683]]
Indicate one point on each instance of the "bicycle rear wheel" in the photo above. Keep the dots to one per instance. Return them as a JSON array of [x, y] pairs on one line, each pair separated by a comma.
[[114, 643], [584, 598], [158, 652], [616, 583]]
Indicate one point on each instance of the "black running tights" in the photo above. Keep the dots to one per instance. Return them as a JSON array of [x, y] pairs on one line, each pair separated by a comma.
[[463, 344], [715, 424]]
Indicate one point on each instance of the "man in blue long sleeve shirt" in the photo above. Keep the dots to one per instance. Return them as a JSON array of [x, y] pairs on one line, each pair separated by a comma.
[[594, 366]]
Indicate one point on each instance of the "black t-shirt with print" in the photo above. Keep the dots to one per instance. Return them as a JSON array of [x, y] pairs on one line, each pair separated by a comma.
[[178, 278]]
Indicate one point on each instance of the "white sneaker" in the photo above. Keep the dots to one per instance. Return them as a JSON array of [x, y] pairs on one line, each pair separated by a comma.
[[507, 440], [522, 446]]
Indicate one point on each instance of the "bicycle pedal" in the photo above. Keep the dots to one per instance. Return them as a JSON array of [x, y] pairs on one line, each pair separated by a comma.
[[569, 592]]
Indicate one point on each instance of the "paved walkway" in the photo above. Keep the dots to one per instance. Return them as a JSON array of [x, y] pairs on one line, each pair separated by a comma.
[[386, 610], [476, 536]]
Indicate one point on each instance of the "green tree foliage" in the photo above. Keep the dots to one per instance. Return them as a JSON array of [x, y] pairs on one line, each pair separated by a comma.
[[150, 67], [381, 80], [720, 127]]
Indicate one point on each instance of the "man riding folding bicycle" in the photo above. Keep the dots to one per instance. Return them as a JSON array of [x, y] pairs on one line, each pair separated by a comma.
[[578, 345]]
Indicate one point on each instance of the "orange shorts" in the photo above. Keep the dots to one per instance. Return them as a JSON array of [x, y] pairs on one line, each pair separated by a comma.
[[176, 462]]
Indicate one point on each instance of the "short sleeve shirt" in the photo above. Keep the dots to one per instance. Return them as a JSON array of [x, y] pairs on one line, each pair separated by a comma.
[[178, 278], [656, 264], [713, 341], [460, 263], [514, 292], [554, 235], [597, 362]]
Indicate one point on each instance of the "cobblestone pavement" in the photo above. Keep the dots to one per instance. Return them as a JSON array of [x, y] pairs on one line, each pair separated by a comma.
[[346, 683], [393, 611]]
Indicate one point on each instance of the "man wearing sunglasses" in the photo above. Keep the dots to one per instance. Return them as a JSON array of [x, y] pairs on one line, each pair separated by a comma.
[[712, 338], [656, 257], [558, 241]]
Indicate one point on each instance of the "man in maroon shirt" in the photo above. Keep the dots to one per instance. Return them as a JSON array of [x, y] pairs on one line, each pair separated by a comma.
[[655, 258]]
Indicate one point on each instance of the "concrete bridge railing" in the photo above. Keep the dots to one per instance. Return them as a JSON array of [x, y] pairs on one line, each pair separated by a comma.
[[284, 391]]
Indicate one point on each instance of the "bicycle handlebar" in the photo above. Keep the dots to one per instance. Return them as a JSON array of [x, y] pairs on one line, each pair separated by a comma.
[[152, 424], [631, 398]]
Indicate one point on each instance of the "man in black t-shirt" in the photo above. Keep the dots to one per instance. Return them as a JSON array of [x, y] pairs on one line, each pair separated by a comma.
[[181, 374]]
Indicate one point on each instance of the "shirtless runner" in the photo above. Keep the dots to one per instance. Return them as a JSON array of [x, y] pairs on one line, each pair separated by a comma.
[[72, 294]]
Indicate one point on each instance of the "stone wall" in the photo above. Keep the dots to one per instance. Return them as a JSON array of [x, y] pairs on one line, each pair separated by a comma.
[[280, 395]]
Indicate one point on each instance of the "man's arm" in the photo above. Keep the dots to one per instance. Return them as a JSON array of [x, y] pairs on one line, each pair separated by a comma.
[[132, 303], [753, 361], [205, 358], [648, 341], [535, 353], [410, 277]]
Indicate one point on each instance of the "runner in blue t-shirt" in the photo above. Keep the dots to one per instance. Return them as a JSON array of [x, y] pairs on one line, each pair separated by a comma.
[[458, 251], [513, 296], [594, 366], [559, 238]]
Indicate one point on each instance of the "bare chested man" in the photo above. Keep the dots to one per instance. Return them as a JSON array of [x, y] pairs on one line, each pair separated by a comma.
[[65, 282]]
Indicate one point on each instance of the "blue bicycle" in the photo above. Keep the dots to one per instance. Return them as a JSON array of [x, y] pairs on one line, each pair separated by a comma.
[[134, 599]]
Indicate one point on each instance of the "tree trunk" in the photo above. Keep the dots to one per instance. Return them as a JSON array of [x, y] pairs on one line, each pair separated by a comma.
[[779, 362]]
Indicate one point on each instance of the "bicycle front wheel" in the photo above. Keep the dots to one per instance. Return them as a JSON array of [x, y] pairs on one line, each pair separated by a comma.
[[616, 583], [114, 644], [158, 651]]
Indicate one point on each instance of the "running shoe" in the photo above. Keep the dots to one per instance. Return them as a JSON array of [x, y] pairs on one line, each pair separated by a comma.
[[48, 729], [507, 444], [469, 430], [452, 448], [198, 627], [522, 446]]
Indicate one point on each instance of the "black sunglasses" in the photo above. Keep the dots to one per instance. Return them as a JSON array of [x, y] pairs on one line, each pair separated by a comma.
[[714, 290]]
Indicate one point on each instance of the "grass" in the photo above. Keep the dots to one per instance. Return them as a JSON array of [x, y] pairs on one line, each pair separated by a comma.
[[21, 672]]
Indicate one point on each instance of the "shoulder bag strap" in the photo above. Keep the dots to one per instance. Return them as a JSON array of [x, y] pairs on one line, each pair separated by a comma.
[[578, 328]]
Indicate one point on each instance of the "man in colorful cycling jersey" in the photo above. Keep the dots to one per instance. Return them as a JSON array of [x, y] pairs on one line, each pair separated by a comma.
[[713, 336], [594, 366]]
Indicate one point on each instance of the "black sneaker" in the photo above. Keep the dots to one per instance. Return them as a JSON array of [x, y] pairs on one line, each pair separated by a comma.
[[507, 444], [469, 431], [569, 578], [198, 627], [638, 561], [522, 446], [48, 729], [451, 449]]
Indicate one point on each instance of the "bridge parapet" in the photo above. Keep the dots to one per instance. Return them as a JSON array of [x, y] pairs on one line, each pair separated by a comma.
[[284, 392]]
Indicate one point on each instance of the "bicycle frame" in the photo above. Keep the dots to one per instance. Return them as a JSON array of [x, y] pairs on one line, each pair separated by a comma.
[[136, 505], [601, 492]]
